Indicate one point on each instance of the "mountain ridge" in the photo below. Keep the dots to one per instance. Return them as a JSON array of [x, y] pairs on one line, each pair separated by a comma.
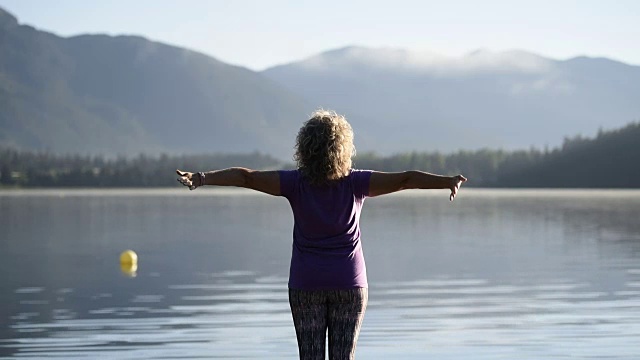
[[509, 99], [103, 94], [125, 94]]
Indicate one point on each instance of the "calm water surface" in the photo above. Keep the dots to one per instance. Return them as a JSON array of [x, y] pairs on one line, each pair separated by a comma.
[[497, 274]]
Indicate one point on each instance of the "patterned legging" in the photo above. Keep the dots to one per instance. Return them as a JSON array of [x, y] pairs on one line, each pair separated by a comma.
[[341, 311]]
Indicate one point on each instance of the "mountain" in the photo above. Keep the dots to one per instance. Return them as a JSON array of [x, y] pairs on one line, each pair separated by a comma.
[[98, 94], [401, 100]]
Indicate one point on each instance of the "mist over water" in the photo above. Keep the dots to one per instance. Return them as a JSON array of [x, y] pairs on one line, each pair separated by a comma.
[[497, 274]]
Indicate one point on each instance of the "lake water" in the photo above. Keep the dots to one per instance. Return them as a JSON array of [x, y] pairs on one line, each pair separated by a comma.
[[497, 274]]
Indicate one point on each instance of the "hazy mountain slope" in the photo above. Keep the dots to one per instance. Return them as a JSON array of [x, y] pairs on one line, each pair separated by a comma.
[[123, 95], [37, 108], [180, 95], [103, 94], [485, 99]]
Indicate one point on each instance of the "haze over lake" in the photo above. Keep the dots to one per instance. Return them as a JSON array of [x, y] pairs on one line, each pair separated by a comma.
[[497, 274]]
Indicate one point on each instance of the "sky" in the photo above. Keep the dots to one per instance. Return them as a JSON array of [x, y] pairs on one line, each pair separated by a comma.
[[258, 34]]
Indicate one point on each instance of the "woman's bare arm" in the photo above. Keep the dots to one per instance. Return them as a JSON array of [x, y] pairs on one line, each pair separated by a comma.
[[382, 183], [263, 181]]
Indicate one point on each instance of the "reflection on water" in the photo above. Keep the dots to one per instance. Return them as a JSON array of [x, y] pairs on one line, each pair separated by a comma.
[[222, 320], [498, 274]]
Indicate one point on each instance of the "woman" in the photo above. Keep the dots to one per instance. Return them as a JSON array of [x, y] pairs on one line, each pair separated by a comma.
[[327, 279]]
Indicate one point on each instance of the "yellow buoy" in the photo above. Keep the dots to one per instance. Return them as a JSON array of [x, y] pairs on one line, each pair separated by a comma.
[[129, 262], [128, 257]]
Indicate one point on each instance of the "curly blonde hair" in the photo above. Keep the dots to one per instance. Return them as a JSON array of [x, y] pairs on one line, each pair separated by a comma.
[[324, 147]]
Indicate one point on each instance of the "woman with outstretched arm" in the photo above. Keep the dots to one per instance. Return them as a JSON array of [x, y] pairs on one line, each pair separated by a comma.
[[327, 278]]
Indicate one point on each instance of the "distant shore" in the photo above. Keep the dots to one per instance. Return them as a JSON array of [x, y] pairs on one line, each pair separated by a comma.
[[606, 161]]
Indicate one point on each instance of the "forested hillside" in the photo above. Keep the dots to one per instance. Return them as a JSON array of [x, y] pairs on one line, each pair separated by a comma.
[[610, 160], [122, 95]]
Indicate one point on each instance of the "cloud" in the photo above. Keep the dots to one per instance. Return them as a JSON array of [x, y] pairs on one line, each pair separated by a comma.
[[481, 61]]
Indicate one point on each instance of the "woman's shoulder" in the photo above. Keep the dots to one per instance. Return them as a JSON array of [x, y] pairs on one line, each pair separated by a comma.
[[360, 181], [359, 172], [289, 175]]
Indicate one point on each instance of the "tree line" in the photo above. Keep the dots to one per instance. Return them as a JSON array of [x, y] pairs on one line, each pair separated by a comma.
[[44, 169], [607, 160]]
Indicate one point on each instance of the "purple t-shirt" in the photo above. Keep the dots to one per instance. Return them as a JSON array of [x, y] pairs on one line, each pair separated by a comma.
[[327, 253]]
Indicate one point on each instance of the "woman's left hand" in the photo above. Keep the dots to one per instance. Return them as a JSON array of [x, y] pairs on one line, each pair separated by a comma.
[[188, 179], [456, 182]]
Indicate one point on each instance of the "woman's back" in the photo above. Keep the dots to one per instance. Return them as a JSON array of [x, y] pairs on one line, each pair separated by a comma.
[[323, 211], [326, 252]]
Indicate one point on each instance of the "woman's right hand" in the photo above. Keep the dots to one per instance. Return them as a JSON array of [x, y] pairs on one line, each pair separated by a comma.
[[188, 179], [456, 182]]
